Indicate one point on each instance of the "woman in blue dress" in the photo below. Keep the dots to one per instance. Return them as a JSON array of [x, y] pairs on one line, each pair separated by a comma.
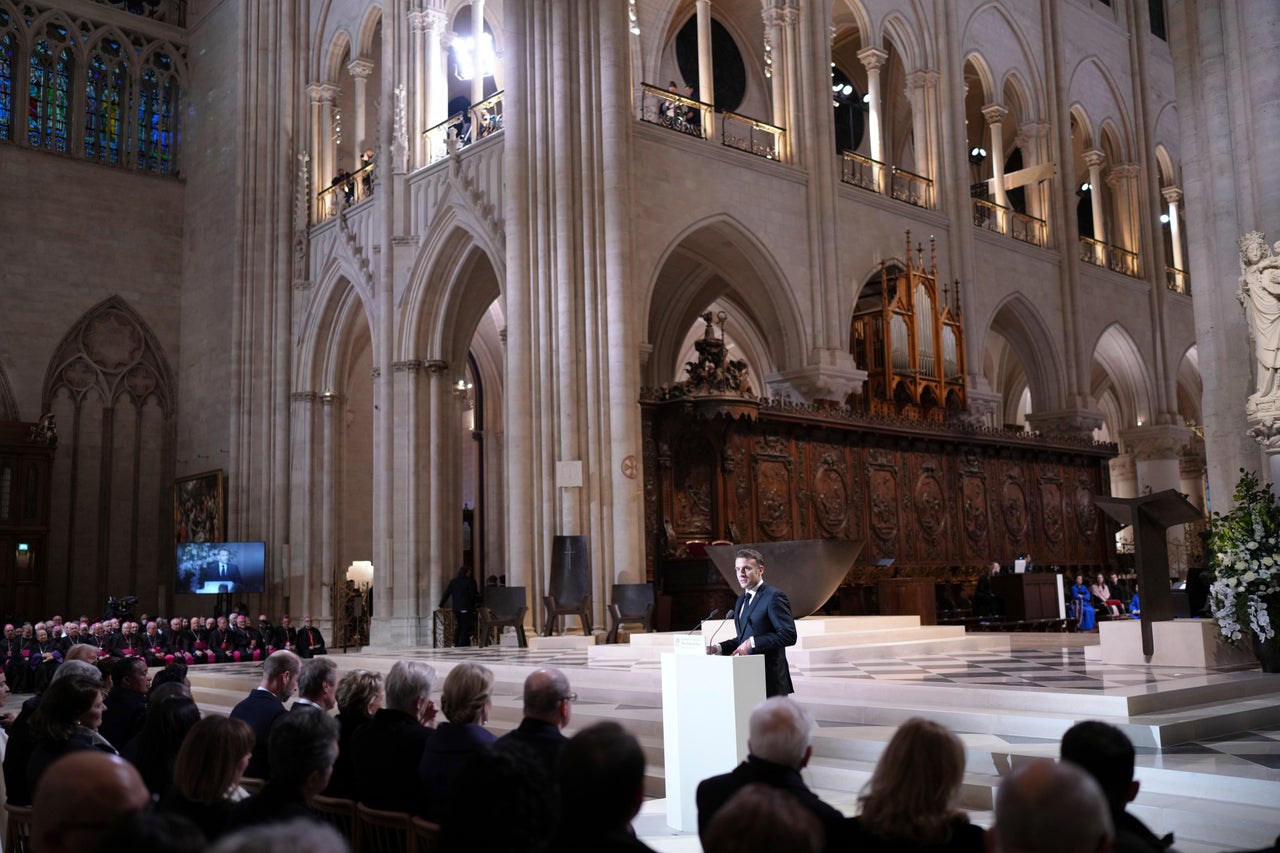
[[1082, 599]]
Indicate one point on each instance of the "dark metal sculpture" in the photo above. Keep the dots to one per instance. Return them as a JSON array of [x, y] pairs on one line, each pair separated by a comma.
[[807, 570]]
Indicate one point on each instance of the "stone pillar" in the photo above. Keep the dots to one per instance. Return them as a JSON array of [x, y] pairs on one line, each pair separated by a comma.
[[1191, 467], [1094, 158], [994, 114], [1124, 484], [439, 40], [706, 76], [922, 88], [872, 59], [1076, 422], [774, 18], [324, 154], [1036, 151], [1122, 178], [1173, 197], [360, 69], [477, 37], [417, 88], [319, 600], [1158, 451]]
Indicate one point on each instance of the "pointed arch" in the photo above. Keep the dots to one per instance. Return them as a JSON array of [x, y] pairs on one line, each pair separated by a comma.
[[336, 56], [1190, 387], [336, 308], [1091, 85], [989, 29], [368, 29], [1029, 340], [908, 38], [851, 13], [1118, 366]]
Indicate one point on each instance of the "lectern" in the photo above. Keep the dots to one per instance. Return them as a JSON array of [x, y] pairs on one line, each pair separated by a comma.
[[706, 707], [1151, 516]]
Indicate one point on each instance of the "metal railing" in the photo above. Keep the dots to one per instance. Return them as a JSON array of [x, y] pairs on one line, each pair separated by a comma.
[[1177, 280], [1028, 229], [911, 188], [1111, 257], [751, 135], [859, 171], [465, 127], [673, 111], [346, 189], [988, 215]]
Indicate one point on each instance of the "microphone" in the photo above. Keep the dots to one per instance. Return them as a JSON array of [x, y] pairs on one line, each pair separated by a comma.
[[715, 611], [712, 641]]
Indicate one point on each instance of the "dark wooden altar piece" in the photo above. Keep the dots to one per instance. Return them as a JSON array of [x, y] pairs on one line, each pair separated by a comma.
[[908, 597], [1029, 596]]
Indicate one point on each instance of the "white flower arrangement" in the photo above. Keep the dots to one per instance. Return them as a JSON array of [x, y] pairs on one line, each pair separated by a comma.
[[1246, 557]]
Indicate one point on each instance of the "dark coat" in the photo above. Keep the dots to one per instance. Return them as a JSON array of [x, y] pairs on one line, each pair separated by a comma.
[[387, 751], [343, 781], [965, 838], [716, 791], [126, 709], [540, 740], [310, 642], [449, 748], [260, 709], [767, 618]]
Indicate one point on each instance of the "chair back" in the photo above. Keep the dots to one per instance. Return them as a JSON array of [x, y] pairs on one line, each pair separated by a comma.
[[252, 785], [17, 834], [339, 812], [570, 569], [505, 601], [427, 835], [633, 599], [383, 832]]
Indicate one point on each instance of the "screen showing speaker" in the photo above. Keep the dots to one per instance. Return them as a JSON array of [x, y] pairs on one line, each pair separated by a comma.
[[208, 568]]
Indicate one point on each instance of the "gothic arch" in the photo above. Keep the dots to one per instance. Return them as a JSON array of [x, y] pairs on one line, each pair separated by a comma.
[[1118, 366], [851, 13], [1168, 137], [368, 29], [1092, 87], [715, 258], [336, 57], [907, 39], [1190, 387], [982, 71], [1029, 340], [1004, 31]]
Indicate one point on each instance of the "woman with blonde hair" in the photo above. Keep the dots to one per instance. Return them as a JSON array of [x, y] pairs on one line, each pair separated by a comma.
[[466, 700], [207, 772], [359, 697], [909, 803]]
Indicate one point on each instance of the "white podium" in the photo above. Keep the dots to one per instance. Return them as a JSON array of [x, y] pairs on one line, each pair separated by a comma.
[[706, 706]]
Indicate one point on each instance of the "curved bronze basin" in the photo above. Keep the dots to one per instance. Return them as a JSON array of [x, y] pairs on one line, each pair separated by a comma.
[[807, 570]]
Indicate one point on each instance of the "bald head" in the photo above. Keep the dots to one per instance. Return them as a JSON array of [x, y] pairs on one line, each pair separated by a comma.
[[545, 692], [80, 797], [1051, 807]]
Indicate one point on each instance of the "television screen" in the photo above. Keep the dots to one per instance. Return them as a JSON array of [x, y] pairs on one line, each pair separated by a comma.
[[213, 567]]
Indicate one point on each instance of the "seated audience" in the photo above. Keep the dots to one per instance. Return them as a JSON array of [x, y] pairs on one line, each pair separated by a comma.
[[46, 654], [1102, 597], [359, 696], [67, 721], [317, 685], [154, 748], [1135, 603], [265, 704], [1106, 754], [81, 799], [155, 832], [548, 705], [289, 835], [760, 818], [127, 701], [779, 744], [466, 699], [207, 772], [390, 746], [17, 752], [303, 747], [1050, 807], [310, 640], [530, 810], [601, 776], [286, 635], [1082, 604], [910, 799]]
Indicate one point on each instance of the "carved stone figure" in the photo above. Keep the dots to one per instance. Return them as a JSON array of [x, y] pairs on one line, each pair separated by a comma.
[[1260, 295]]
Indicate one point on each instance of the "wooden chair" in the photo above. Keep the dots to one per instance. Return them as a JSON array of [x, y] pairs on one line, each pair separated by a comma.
[[569, 587], [17, 835], [341, 813], [383, 832], [251, 784], [632, 603], [426, 835], [503, 605]]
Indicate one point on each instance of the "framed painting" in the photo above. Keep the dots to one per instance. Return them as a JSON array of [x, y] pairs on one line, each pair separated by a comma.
[[199, 511]]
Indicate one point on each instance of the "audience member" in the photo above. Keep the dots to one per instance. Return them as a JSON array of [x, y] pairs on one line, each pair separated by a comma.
[[207, 772], [318, 684], [601, 776], [80, 800], [1102, 597], [1082, 602], [290, 835], [17, 753], [310, 640], [530, 811], [779, 743], [174, 673], [264, 704], [303, 748], [548, 705], [81, 652], [154, 748], [910, 799], [1048, 807], [45, 656], [286, 635], [1106, 754], [359, 696], [389, 748], [127, 701], [761, 818], [154, 832], [66, 721], [7, 718], [466, 699]]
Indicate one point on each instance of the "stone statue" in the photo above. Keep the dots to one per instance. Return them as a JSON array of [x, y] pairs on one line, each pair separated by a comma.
[[1260, 295]]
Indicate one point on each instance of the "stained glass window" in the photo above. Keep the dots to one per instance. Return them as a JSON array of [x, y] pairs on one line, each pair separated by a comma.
[[49, 91], [8, 44], [105, 102], [157, 115]]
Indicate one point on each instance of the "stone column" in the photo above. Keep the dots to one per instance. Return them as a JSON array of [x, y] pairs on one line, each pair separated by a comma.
[[1173, 197], [994, 114], [1094, 158], [324, 155], [1191, 467], [872, 59], [477, 38], [706, 76], [1158, 451], [439, 40], [417, 88], [1037, 152], [1124, 484], [319, 600], [774, 18], [360, 69], [922, 87], [1122, 178]]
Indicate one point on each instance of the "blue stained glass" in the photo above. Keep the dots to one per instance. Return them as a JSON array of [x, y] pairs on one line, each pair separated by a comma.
[[49, 98], [7, 42]]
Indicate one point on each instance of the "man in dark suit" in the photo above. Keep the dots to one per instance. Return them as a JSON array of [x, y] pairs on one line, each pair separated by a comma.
[[126, 702], [221, 569], [388, 748], [762, 619], [303, 749], [547, 708], [264, 705], [779, 743], [310, 640]]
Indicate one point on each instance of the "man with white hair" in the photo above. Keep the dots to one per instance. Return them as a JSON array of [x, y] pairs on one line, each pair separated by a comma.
[[388, 748], [779, 743], [1050, 807]]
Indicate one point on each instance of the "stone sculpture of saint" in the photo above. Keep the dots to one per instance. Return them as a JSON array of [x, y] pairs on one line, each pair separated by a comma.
[[1260, 295]]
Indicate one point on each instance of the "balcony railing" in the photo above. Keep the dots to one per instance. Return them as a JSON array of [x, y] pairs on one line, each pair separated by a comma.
[[860, 171], [1177, 280], [751, 135], [988, 215], [911, 188], [673, 110], [465, 127], [347, 188], [1111, 257], [1028, 229]]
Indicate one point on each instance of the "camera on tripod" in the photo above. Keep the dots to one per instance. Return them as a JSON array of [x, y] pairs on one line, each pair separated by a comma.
[[120, 608]]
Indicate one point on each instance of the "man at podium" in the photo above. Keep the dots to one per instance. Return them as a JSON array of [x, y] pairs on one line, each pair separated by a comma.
[[762, 619]]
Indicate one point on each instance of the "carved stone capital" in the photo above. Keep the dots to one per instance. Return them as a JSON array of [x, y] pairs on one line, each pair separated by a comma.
[[1121, 173], [436, 366], [375, 374], [328, 398], [832, 376], [994, 113], [1078, 422], [360, 68], [1094, 158], [774, 17], [1156, 442], [1172, 195], [1124, 469], [926, 78], [412, 366], [322, 93], [1036, 129], [417, 21], [303, 397], [1263, 415], [872, 57], [981, 409]]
